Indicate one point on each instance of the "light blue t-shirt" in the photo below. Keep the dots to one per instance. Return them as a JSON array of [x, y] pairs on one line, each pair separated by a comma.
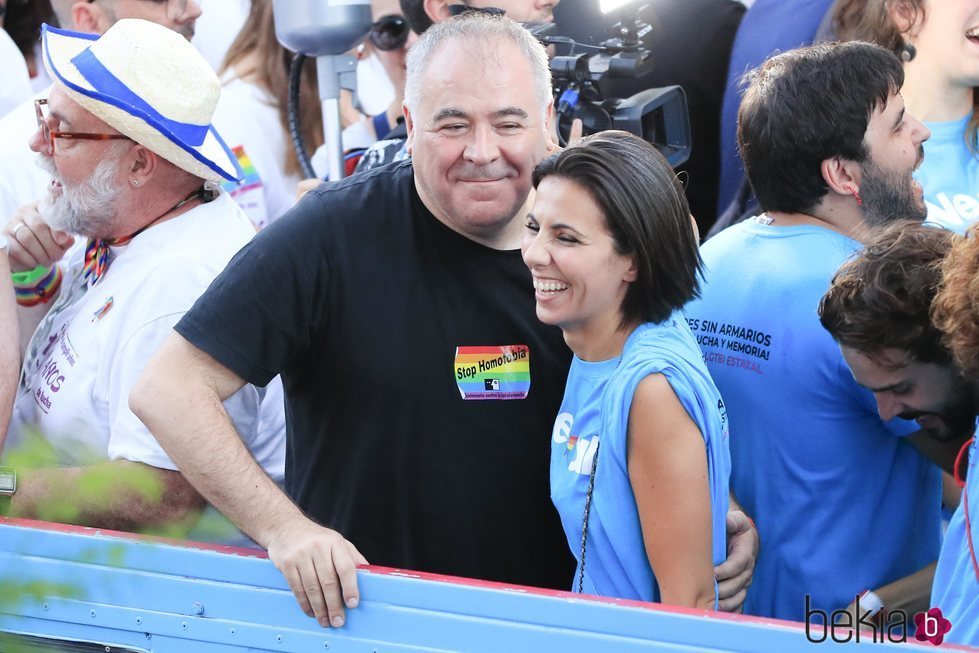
[[950, 176], [842, 503], [596, 408], [956, 588]]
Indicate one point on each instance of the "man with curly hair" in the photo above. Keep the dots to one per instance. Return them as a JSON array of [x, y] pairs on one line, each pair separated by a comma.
[[877, 309]]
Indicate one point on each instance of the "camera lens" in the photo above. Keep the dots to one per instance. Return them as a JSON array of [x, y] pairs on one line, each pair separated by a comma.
[[389, 33]]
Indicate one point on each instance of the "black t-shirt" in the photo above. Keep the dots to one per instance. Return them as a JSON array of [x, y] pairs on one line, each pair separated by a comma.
[[362, 299]]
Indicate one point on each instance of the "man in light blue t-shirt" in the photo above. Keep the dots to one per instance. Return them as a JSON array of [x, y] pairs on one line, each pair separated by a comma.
[[843, 501]]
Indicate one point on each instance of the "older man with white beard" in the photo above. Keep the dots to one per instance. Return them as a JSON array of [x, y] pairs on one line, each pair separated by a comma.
[[21, 182], [127, 139]]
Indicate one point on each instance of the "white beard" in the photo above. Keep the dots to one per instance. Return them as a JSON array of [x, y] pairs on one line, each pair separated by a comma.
[[85, 208]]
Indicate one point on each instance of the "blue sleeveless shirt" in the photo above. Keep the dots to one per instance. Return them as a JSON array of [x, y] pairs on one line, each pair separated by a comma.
[[595, 409]]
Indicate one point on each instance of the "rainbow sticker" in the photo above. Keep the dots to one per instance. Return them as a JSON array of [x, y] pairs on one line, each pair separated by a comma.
[[495, 372], [249, 175]]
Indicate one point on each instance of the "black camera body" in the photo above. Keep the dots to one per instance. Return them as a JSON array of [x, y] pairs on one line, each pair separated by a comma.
[[657, 115]]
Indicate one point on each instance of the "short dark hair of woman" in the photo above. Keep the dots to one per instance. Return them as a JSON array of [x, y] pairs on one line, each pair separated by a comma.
[[882, 298], [646, 214], [805, 106]]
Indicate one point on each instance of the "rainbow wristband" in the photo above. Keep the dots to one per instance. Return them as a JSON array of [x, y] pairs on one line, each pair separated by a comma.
[[30, 277], [42, 291]]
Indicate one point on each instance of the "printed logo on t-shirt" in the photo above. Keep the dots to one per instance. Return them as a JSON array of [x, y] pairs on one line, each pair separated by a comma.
[[722, 412], [734, 345], [493, 372], [59, 356], [956, 212], [579, 450]]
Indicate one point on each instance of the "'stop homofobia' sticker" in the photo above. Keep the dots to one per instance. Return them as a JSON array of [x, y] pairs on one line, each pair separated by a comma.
[[493, 372]]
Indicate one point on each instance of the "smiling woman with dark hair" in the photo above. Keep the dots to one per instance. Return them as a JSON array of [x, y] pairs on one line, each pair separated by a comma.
[[639, 451]]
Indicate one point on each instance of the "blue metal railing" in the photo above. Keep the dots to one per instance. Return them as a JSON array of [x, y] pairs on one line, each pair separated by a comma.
[[131, 593]]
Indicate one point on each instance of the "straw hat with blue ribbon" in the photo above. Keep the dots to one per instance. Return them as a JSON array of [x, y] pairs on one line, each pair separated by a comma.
[[149, 83]]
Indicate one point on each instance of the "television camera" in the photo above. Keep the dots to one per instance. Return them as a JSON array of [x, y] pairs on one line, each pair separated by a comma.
[[582, 81]]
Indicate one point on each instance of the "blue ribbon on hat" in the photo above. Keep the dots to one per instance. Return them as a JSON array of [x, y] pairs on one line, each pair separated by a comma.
[[102, 79], [141, 113]]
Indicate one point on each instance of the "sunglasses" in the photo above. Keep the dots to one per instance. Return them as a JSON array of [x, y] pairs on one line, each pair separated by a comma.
[[389, 33], [458, 10]]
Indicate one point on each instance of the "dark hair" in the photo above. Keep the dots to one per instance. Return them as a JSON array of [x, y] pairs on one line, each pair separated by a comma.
[[23, 23], [646, 214], [414, 11], [882, 298], [272, 74], [871, 21], [805, 106]]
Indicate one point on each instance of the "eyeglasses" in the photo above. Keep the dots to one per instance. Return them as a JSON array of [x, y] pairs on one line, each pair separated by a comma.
[[389, 33], [176, 9], [51, 134]]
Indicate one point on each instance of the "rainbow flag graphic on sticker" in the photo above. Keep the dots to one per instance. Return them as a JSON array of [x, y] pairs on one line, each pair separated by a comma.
[[249, 177], [493, 372]]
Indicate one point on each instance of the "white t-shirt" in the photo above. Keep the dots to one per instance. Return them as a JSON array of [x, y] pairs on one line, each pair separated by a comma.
[[16, 86], [218, 25], [247, 119], [78, 394]]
